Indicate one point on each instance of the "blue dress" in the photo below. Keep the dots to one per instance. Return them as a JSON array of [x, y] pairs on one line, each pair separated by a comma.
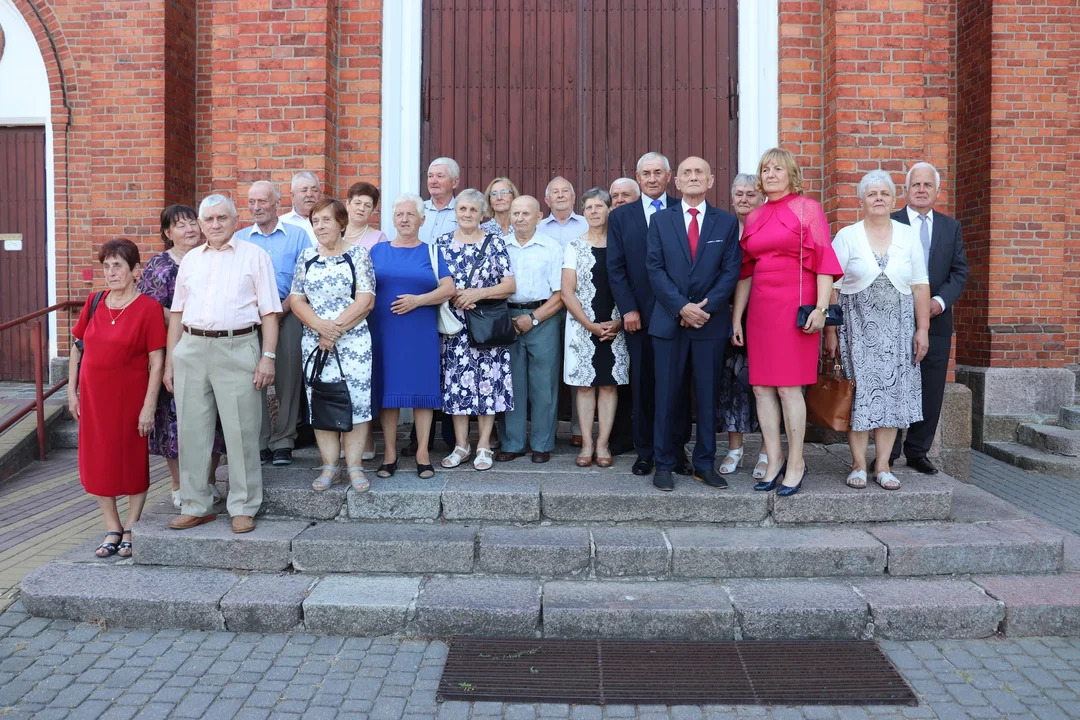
[[406, 346]]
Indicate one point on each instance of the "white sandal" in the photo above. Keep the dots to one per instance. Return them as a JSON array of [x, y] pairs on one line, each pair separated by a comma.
[[482, 461], [887, 480], [732, 462], [856, 479], [460, 455], [761, 469]]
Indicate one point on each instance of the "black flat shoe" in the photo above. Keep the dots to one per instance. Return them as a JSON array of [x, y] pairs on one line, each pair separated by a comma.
[[282, 457], [789, 490], [387, 470], [425, 472], [711, 478], [664, 480], [643, 466], [265, 456], [922, 465], [770, 485], [684, 467]]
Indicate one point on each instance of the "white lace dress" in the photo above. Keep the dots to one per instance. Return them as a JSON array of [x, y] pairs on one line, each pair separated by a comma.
[[588, 362]]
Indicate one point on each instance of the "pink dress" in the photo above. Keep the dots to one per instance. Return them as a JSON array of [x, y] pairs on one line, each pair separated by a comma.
[[780, 354]]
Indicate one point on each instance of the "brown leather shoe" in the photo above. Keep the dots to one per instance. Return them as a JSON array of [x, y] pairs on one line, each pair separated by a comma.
[[507, 456], [541, 457], [186, 522], [243, 524], [575, 440]]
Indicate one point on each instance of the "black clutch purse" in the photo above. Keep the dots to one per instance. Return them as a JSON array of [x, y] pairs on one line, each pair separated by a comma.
[[835, 315], [331, 404], [489, 323]]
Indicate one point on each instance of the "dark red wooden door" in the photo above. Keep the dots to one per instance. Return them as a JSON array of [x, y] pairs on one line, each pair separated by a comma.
[[532, 89], [23, 243]]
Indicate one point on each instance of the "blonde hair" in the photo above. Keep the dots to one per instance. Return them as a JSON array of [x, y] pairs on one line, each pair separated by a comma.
[[785, 158], [513, 189]]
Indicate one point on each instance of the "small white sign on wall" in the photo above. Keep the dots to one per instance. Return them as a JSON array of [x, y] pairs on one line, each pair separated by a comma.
[[12, 241]]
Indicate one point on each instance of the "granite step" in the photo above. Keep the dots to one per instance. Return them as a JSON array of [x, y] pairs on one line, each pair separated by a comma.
[[64, 435], [1050, 438], [496, 606], [1069, 417], [1033, 459]]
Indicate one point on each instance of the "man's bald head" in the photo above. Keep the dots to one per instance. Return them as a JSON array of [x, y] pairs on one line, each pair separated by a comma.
[[524, 216], [694, 178]]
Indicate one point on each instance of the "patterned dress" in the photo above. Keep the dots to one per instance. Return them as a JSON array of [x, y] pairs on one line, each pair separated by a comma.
[[475, 382], [736, 410], [876, 352], [588, 362], [326, 283], [158, 282]]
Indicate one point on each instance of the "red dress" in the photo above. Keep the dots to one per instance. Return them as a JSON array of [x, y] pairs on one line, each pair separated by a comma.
[[780, 354], [113, 459]]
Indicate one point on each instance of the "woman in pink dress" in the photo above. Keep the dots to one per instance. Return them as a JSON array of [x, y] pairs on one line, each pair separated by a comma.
[[786, 249]]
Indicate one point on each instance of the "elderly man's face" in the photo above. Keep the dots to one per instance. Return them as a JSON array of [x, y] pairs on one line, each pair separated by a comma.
[[218, 224], [622, 193], [440, 184], [262, 204], [653, 178], [744, 198], [922, 192], [560, 196], [695, 177], [524, 215], [304, 196]]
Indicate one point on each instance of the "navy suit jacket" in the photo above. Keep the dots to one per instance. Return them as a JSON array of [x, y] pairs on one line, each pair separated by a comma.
[[947, 266], [676, 280], [627, 231]]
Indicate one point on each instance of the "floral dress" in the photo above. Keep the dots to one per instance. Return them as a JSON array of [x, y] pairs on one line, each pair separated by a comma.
[[588, 362], [158, 282], [326, 282], [475, 382]]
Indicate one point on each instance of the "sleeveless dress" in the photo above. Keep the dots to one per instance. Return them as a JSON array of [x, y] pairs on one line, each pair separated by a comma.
[[588, 362]]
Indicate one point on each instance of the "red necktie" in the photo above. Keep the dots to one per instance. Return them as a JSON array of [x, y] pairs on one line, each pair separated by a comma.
[[692, 232]]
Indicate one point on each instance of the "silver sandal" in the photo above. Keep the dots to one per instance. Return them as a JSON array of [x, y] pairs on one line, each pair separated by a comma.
[[360, 484], [322, 483]]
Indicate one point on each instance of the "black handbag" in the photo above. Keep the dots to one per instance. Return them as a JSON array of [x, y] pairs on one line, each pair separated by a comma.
[[835, 314], [79, 342], [331, 404], [489, 323]]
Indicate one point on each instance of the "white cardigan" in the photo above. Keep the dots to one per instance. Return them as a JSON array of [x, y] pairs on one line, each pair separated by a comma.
[[906, 266]]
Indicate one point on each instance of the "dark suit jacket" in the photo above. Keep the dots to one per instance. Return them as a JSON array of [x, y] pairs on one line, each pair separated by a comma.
[[676, 280], [947, 266], [627, 230]]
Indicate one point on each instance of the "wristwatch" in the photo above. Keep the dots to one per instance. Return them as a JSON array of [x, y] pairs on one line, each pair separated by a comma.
[[535, 322], [270, 355]]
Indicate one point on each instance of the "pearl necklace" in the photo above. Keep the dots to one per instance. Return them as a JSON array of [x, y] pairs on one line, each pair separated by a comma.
[[357, 238]]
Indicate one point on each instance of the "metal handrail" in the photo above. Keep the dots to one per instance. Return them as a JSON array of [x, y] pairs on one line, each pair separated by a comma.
[[37, 348]]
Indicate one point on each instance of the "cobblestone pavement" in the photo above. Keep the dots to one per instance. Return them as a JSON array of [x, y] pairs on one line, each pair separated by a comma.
[[1054, 499], [53, 669]]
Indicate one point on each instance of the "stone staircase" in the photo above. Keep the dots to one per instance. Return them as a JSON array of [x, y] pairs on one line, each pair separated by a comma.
[[1051, 446], [555, 551]]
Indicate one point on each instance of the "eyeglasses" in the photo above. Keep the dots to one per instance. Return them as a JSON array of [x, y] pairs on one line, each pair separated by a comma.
[[501, 193]]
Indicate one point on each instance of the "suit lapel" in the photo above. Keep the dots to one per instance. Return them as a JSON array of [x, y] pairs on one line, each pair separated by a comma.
[[937, 237], [708, 225], [676, 217], [639, 218]]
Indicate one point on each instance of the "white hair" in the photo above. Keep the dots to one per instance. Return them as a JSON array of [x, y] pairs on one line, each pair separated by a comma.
[[301, 176], [637, 188], [474, 196], [744, 179], [212, 201], [876, 177], [653, 156], [409, 197], [275, 193], [557, 178], [451, 165], [919, 166]]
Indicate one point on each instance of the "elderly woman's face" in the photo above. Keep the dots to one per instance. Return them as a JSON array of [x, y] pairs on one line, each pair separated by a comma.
[[360, 208], [878, 200], [596, 212], [500, 198], [184, 234], [118, 276], [775, 178], [468, 214], [744, 198], [407, 220], [326, 227]]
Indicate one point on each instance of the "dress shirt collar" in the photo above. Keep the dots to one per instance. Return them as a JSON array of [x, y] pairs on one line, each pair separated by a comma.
[[646, 201], [699, 207], [429, 205], [280, 226], [552, 219], [913, 216], [512, 240], [230, 244]]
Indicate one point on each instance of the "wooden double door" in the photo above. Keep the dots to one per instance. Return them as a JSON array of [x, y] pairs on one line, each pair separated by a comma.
[[532, 89]]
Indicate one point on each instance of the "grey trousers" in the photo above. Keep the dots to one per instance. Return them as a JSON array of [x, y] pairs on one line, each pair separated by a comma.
[[534, 365], [288, 384]]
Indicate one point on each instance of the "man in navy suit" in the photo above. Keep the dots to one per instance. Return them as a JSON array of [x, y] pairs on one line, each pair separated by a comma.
[[948, 270], [693, 258], [628, 226]]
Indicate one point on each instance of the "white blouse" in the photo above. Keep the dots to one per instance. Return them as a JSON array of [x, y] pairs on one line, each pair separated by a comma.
[[906, 266]]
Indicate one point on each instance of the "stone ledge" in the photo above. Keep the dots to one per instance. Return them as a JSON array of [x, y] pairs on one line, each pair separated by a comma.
[[215, 545], [510, 499], [541, 551], [930, 609], [398, 498], [784, 609], [622, 551], [384, 547], [266, 603], [360, 606], [1037, 605], [481, 607], [831, 501], [287, 492]]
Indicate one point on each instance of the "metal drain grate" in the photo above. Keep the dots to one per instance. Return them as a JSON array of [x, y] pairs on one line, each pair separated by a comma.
[[640, 672]]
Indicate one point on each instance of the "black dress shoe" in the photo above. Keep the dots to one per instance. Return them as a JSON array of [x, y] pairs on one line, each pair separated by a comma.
[[789, 490], [684, 467], [643, 466], [922, 465], [664, 480], [282, 457], [265, 456], [770, 485], [711, 478]]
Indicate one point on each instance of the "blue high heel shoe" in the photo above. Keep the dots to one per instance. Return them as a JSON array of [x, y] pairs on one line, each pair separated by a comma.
[[770, 485], [789, 490]]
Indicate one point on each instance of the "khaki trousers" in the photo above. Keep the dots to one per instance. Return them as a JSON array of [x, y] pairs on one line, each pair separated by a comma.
[[215, 377], [288, 382]]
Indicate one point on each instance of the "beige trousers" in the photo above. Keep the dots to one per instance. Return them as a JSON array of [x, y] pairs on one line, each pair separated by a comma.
[[288, 382], [215, 377]]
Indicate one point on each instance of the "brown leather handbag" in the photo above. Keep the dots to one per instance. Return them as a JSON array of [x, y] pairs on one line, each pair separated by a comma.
[[828, 401]]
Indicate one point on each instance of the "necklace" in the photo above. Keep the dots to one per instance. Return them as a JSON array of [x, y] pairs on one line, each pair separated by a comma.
[[123, 308], [358, 237]]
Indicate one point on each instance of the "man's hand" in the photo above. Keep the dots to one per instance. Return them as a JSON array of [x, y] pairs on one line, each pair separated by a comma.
[[935, 308], [523, 324], [694, 315], [166, 377], [632, 321], [264, 373], [405, 304]]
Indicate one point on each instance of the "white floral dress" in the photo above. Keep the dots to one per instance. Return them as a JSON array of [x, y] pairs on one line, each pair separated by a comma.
[[588, 362], [326, 283]]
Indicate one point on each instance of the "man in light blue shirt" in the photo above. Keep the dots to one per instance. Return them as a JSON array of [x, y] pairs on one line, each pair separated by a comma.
[[563, 223], [536, 308], [440, 215], [283, 242]]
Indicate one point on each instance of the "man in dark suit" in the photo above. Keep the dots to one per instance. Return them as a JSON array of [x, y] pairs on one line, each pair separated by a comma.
[[628, 226], [693, 259], [948, 269]]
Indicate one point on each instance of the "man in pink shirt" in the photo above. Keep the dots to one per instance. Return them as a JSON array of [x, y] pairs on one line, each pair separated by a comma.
[[216, 367]]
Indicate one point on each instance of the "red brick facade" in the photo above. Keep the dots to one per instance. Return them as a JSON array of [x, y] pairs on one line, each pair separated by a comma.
[[156, 101]]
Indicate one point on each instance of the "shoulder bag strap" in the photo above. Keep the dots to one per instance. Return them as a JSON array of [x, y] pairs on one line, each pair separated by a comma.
[[93, 305], [352, 269], [478, 260]]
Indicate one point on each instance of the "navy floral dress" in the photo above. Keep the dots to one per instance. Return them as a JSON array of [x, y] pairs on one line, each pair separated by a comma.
[[475, 382], [158, 282]]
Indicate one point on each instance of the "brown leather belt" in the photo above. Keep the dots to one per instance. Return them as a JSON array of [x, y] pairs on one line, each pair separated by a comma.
[[218, 333]]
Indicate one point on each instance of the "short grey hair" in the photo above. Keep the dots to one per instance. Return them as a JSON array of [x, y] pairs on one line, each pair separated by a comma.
[[876, 177], [212, 201], [304, 175], [474, 196], [744, 179], [557, 178], [596, 192], [919, 166], [407, 197], [653, 156], [275, 192], [451, 166], [637, 188]]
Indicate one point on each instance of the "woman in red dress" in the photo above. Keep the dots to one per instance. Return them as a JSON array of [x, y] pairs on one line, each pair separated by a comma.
[[114, 394], [788, 261]]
